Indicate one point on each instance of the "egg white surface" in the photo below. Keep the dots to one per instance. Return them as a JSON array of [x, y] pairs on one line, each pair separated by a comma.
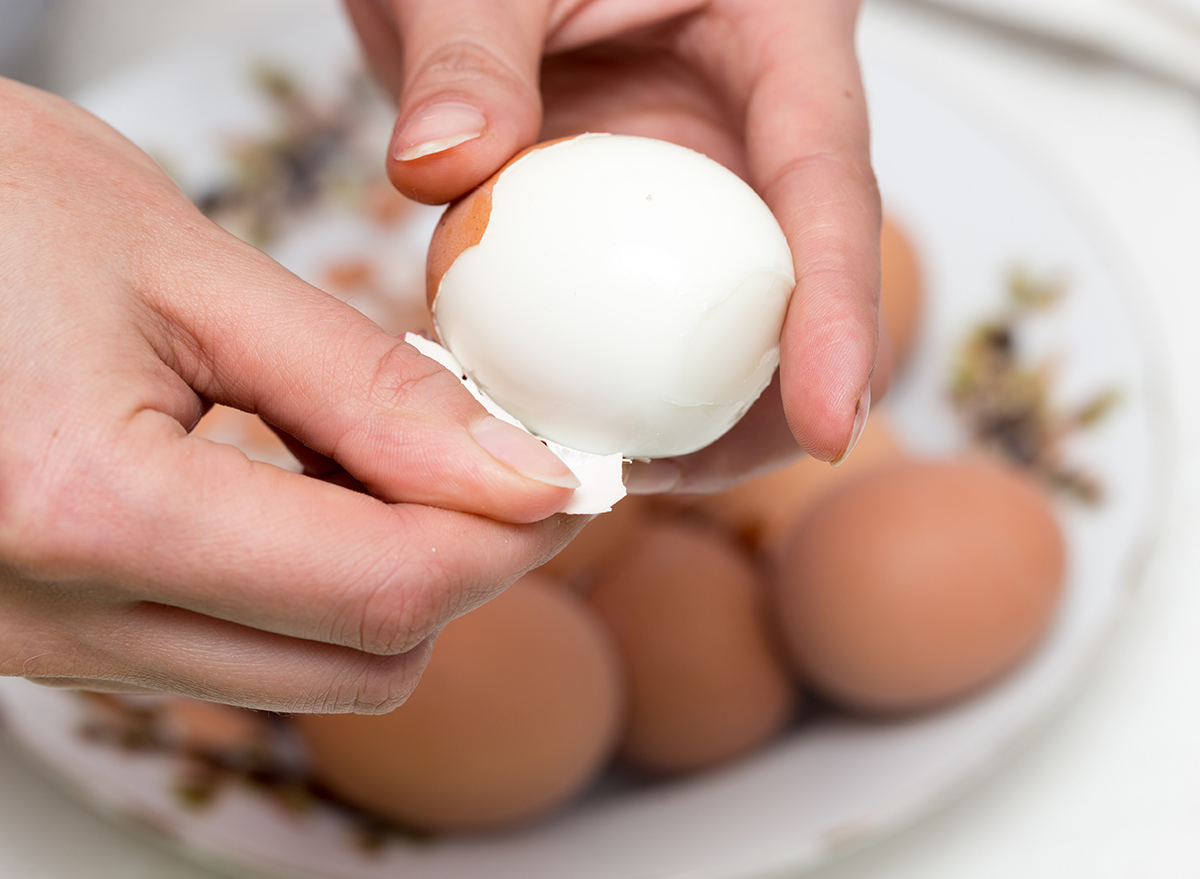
[[626, 297]]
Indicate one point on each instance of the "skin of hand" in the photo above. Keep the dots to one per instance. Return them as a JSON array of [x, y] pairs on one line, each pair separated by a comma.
[[769, 88], [136, 556]]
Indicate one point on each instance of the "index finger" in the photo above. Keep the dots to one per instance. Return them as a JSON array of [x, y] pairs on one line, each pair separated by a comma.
[[808, 150]]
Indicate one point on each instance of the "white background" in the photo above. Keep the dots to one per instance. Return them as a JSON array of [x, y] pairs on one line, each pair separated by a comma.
[[1111, 786]]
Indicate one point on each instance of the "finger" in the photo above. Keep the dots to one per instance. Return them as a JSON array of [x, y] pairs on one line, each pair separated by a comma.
[[808, 151], [93, 685], [180, 520], [150, 648], [261, 340], [470, 96], [318, 466], [761, 442]]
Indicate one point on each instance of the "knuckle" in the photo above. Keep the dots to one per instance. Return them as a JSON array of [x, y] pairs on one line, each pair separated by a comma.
[[390, 625], [402, 374], [375, 684], [468, 59], [402, 609], [405, 408], [410, 590], [397, 382]]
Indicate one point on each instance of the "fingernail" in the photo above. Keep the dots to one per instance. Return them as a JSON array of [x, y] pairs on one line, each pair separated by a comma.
[[522, 452], [658, 476], [438, 128], [861, 409]]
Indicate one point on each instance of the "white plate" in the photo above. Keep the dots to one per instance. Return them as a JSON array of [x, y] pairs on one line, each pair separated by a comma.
[[1188, 11], [975, 210]]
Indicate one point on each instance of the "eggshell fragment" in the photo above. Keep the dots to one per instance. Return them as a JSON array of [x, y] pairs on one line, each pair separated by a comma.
[[517, 710], [600, 476], [920, 581], [616, 294], [706, 683]]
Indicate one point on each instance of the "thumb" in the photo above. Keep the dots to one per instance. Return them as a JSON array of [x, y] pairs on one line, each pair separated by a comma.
[[470, 97], [259, 339]]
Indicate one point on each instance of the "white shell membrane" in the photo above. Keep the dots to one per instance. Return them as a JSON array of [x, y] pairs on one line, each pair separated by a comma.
[[626, 297]]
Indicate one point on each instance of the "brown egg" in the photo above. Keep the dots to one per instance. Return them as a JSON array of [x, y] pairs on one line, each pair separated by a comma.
[[705, 681], [599, 544], [518, 710], [901, 294], [763, 511], [919, 582]]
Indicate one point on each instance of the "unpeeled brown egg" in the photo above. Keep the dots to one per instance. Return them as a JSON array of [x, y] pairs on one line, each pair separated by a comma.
[[920, 581], [518, 709], [706, 683]]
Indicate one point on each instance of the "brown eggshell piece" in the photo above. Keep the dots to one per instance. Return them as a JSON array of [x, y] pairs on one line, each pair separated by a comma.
[[919, 582], [763, 511], [706, 683], [463, 223], [901, 294], [518, 709]]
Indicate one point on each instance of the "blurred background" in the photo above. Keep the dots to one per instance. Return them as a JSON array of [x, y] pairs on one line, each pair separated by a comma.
[[1105, 96]]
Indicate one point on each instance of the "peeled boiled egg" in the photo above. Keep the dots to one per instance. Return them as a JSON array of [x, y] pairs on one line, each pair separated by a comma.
[[614, 294], [518, 709], [920, 581], [690, 620]]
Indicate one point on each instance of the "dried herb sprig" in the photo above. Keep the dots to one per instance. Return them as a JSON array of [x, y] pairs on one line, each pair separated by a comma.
[[1005, 402], [307, 156], [217, 746]]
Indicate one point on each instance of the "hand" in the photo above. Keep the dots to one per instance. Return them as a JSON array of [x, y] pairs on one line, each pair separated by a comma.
[[134, 555], [768, 88]]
